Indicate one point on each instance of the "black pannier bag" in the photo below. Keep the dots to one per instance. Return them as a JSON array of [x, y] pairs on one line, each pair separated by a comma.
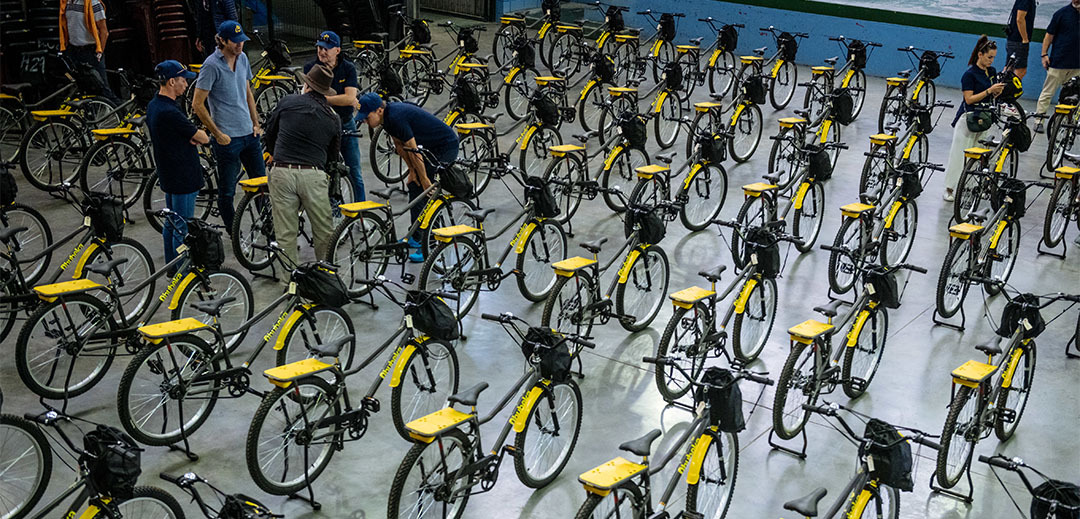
[[892, 465], [546, 110], [883, 287], [87, 79], [754, 89], [673, 76], [1020, 137], [1023, 308], [106, 214], [390, 83], [524, 54], [467, 41], [652, 227], [632, 128], [278, 54], [455, 180], [544, 203], [614, 17], [928, 63], [725, 401], [787, 45], [603, 67], [432, 316], [1070, 92], [728, 38], [1065, 493], [421, 33], [240, 506], [1014, 88], [821, 168], [666, 27], [8, 188], [206, 249], [857, 54], [551, 8], [1014, 189], [467, 97], [762, 244], [554, 354], [912, 184], [713, 148], [843, 104], [114, 461], [319, 282], [920, 118]]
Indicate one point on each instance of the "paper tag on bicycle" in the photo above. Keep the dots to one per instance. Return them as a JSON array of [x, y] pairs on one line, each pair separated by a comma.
[[181, 248], [700, 408], [292, 288], [86, 221], [753, 258], [1026, 323], [408, 321], [870, 288], [870, 463]]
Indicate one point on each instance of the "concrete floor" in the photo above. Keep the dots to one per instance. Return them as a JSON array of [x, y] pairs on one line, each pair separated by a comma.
[[620, 398]]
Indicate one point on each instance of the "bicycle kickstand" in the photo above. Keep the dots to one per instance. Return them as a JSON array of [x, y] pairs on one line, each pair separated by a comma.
[[1050, 251], [186, 449], [938, 320], [801, 454], [965, 498]]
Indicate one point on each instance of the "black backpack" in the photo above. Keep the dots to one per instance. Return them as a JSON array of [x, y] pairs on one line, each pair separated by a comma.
[[467, 41], [87, 79], [278, 54], [455, 180], [753, 88], [614, 19], [652, 228], [821, 168], [928, 63], [467, 97], [912, 183], [713, 149], [1065, 493], [106, 214], [240, 506], [319, 282], [544, 203], [1024, 307], [919, 117], [728, 38], [1020, 137], [552, 352], [666, 27], [843, 105], [8, 188], [632, 128], [788, 46], [673, 76], [1070, 92], [882, 287], [206, 249], [857, 54], [432, 316], [725, 400], [114, 461], [524, 54], [762, 244], [604, 67], [390, 83], [546, 110], [1014, 189], [421, 33], [892, 465]]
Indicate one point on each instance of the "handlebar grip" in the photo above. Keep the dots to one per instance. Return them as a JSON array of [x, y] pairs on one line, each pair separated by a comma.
[[915, 268], [922, 440], [645, 12], [903, 49], [874, 44], [170, 478], [724, 223], [759, 379], [765, 28], [827, 411], [997, 462], [656, 360], [36, 418], [831, 38], [830, 248], [445, 295], [935, 167], [582, 342], [491, 317], [1073, 298], [739, 25], [706, 20]]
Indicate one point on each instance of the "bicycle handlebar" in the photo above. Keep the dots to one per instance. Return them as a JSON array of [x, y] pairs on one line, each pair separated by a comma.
[[831, 410], [1000, 462], [739, 374], [509, 318]]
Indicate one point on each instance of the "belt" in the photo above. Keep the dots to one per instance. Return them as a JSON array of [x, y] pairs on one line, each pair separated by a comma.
[[297, 166]]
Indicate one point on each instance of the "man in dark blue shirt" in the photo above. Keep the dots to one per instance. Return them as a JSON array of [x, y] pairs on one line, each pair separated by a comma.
[[174, 139], [1060, 53], [411, 126], [1021, 23], [346, 87]]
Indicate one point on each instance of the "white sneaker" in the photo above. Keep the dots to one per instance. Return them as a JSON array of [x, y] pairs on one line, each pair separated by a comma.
[[949, 197]]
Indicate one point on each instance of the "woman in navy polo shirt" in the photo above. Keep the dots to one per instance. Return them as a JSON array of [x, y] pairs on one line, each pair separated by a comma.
[[977, 87]]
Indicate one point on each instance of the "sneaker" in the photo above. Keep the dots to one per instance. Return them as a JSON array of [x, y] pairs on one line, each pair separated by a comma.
[[1039, 127], [413, 244], [416, 257], [949, 196]]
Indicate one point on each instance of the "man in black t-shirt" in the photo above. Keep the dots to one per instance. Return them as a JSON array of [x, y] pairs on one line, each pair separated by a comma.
[[346, 87], [1021, 23]]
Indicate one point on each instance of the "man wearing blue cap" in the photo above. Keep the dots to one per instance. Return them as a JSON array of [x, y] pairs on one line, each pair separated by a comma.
[[175, 139], [410, 126], [345, 85], [224, 84]]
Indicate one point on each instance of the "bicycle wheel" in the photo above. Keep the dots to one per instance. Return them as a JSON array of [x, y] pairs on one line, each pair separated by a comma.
[[545, 245], [973, 191], [564, 176], [359, 251], [952, 285], [11, 132], [861, 360], [624, 501], [1015, 397], [590, 106], [796, 386], [318, 325], [117, 167], [27, 465], [1059, 211], [753, 325], [428, 379], [873, 502], [450, 213], [668, 120], [570, 307], [50, 153], [707, 122], [626, 62], [784, 160], [809, 217], [501, 44], [814, 98], [664, 54], [648, 193], [711, 495], [621, 172], [1058, 142], [147, 502], [550, 434], [32, 242], [958, 437], [252, 231], [927, 95], [159, 400], [267, 99], [702, 196], [136, 269], [722, 74], [844, 268], [453, 267], [426, 484], [891, 111], [516, 97], [562, 58], [857, 84], [56, 353], [285, 449], [688, 63], [874, 172], [920, 150], [534, 155], [782, 87], [476, 148], [755, 211], [899, 237], [1003, 255], [640, 297], [747, 133], [205, 201], [223, 283], [385, 162], [683, 341]]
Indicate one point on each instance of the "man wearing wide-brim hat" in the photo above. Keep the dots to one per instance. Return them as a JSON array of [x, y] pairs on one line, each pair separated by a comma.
[[302, 135]]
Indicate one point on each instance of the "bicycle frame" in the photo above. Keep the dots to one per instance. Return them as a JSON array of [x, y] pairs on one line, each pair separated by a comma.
[[997, 222], [999, 380], [633, 247]]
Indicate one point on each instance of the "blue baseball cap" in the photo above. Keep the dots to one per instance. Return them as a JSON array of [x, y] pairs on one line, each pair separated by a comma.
[[328, 40], [230, 30], [171, 68], [369, 102]]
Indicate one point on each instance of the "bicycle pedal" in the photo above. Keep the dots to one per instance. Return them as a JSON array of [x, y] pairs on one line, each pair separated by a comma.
[[408, 278], [858, 384], [370, 404], [1007, 415]]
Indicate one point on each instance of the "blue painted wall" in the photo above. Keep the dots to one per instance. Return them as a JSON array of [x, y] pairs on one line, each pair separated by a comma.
[[884, 61]]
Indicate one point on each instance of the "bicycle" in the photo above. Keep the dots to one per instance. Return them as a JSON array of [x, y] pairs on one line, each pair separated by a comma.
[[1066, 117], [783, 74], [1049, 500], [746, 122], [669, 104], [273, 77], [851, 75], [567, 51], [446, 464], [720, 68], [575, 302], [985, 168], [814, 367], [875, 487], [222, 505], [153, 198], [70, 340], [993, 395], [799, 133], [905, 88], [547, 110], [592, 105], [879, 231], [1064, 204], [27, 451], [622, 488], [519, 78], [889, 151]]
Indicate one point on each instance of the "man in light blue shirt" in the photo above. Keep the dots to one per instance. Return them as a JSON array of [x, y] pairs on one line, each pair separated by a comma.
[[224, 83]]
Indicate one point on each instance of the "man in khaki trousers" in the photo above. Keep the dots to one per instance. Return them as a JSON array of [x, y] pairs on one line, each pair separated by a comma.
[[1060, 54], [302, 135]]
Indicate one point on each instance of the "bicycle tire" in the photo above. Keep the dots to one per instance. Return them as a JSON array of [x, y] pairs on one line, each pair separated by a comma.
[[748, 217], [1002, 429], [590, 105], [973, 189], [706, 190], [356, 241], [695, 494], [143, 497], [904, 225], [944, 479], [382, 145], [889, 111], [858, 85], [722, 74], [665, 53], [475, 149], [857, 506], [749, 350], [667, 123], [564, 185], [809, 220], [947, 270], [535, 424], [692, 356], [783, 386], [461, 259], [117, 178], [534, 154], [230, 283], [841, 285], [1005, 258], [450, 213], [267, 98], [541, 258], [567, 63], [787, 74], [333, 324], [413, 373], [32, 219], [624, 161], [1059, 211], [631, 497], [12, 128], [37, 442], [748, 123], [810, 99], [877, 326], [397, 489], [65, 139], [659, 293], [138, 268], [784, 160], [583, 284], [254, 253]]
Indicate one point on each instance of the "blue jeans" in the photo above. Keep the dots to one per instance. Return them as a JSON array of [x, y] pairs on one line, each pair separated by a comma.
[[350, 151], [174, 229], [246, 151], [446, 157], [88, 55]]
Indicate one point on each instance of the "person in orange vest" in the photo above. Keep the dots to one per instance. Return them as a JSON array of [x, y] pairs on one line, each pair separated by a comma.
[[83, 34]]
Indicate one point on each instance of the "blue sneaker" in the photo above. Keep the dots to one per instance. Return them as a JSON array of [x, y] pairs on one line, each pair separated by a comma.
[[416, 257], [413, 244]]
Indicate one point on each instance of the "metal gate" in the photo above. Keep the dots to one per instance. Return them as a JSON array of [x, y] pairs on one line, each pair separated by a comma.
[[479, 9]]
